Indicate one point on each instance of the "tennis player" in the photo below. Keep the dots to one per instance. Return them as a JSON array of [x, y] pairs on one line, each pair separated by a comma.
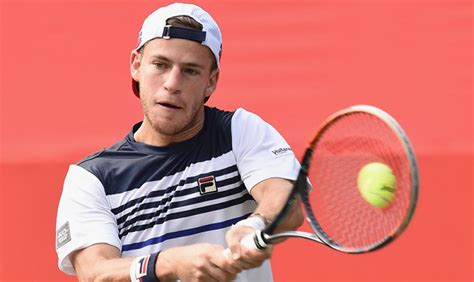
[[187, 182]]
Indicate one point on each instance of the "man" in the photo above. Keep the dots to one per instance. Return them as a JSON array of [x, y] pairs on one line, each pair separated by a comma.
[[184, 184]]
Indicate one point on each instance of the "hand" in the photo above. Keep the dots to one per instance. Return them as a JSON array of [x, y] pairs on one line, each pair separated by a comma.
[[242, 257], [198, 262]]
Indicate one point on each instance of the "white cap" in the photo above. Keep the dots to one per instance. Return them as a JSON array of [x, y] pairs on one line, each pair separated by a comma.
[[155, 26]]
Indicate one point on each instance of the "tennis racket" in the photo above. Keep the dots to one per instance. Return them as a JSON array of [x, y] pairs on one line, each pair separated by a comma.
[[336, 211]]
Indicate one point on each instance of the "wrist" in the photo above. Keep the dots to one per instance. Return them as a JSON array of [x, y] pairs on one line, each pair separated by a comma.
[[263, 217], [256, 221], [142, 269], [165, 269]]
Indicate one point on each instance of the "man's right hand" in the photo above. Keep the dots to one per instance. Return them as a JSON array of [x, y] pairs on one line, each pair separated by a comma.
[[199, 262]]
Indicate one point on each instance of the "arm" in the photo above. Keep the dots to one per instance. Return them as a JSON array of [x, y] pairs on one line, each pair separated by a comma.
[[200, 262], [101, 262], [271, 195], [267, 167]]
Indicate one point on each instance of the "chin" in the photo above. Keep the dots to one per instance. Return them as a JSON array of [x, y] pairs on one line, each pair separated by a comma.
[[169, 127], [168, 130]]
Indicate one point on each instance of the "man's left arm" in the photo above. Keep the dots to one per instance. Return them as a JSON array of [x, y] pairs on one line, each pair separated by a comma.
[[271, 195]]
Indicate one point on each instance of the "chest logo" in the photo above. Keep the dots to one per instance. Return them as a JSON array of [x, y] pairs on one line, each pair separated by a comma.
[[207, 185]]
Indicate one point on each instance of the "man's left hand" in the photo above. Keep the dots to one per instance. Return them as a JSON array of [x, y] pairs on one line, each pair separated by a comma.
[[243, 257]]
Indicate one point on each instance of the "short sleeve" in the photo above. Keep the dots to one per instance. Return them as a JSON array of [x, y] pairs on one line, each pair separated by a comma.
[[84, 217], [261, 152]]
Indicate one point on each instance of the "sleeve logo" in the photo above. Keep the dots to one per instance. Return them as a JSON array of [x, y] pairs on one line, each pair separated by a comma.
[[63, 235], [281, 152]]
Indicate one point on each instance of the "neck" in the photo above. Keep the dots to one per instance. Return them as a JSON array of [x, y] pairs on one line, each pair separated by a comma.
[[149, 135]]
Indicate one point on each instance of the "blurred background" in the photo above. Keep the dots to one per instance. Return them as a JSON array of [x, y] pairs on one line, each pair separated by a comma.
[[65, 92]]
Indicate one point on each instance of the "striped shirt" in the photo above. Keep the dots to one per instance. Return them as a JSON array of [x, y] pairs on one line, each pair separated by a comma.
[[143, 199]]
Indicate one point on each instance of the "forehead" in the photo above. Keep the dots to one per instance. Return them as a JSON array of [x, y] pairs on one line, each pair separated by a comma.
[[179, 51]]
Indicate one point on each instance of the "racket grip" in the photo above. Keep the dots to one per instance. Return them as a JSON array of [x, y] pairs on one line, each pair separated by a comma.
[[250, 241], [254, 241]]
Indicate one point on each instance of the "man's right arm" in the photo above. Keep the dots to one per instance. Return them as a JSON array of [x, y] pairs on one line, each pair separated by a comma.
[[101, 262], [199, 262]]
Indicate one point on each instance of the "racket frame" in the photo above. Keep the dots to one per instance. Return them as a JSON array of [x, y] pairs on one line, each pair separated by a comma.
[[265, 237]]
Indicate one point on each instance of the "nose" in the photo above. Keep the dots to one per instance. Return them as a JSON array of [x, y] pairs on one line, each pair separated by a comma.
[[173, 80]]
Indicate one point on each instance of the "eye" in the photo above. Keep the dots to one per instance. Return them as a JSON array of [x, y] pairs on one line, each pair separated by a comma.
[[191, 71], [160, 66]]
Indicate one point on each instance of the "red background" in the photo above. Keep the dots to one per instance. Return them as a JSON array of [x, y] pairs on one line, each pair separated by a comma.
[[65, 92]]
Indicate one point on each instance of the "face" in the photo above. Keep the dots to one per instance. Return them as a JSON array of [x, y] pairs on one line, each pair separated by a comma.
[[175, 78]]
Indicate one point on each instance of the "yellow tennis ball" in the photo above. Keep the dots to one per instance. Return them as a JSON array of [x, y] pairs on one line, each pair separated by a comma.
[[377, 184]]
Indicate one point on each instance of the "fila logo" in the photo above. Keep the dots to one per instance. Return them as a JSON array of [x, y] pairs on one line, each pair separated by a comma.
[[207, 185]]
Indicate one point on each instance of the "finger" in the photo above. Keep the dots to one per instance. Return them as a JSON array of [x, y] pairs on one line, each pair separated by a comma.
[[219, 274], [234, 246], [235, 250], [253, 258], [232, 267], [242, 265], [234, 237], [224, 260], [258, 254]]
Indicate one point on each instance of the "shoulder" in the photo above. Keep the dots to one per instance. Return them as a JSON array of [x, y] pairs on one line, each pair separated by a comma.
[[104, 155], [218, 125], [249, 124], [217, 116], [241, 115], [107, 164], [226, 118]]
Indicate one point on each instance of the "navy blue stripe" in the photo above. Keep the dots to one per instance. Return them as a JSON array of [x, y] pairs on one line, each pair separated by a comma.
[[184, 33], [183, 214], [183, 182], [183, 233], [128, 218], [129, 164]]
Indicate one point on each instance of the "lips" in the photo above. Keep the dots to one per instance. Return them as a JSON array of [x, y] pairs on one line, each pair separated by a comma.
[[169, 105]]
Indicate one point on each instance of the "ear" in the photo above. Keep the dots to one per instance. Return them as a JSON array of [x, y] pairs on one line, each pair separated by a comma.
[[212, 85], [135, 63]]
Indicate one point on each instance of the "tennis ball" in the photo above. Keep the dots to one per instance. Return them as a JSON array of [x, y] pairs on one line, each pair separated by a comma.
[[376, 184]]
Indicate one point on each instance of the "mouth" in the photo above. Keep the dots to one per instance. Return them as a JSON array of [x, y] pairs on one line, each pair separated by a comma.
[[169, 105]]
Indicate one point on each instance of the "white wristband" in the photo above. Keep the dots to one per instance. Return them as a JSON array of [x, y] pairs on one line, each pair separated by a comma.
[[255, 222]]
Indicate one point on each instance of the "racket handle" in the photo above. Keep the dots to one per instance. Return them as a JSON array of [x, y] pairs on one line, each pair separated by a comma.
[[254, 241], [250, 241]]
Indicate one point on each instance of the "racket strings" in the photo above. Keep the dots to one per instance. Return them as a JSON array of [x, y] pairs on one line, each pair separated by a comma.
[[346, 145]]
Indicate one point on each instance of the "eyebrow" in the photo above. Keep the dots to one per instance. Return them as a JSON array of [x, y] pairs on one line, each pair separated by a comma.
[[187, 64]]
